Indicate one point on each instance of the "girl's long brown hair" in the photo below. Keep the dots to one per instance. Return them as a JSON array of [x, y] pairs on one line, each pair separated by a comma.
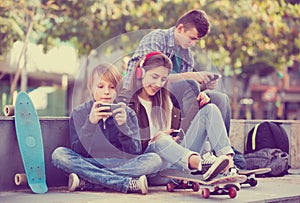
[[160, 101]]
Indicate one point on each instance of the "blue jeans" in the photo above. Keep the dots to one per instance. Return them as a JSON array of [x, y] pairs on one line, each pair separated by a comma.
[[111, 173], [170, 152], [223, 103], [207, 125], [221, 100], [183, 94], [173, 155]]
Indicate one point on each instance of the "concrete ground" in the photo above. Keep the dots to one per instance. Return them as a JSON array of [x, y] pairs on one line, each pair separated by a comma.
[[279, 189]]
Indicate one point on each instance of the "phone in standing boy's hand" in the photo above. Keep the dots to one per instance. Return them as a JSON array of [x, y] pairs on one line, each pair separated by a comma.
[[215, 77]]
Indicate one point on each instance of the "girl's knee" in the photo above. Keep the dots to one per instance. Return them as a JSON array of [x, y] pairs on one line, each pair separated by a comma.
[[155, 158], [155, 161], [162, 142], [211, 107]]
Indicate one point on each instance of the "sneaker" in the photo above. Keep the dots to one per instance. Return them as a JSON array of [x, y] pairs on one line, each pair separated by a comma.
[[211, 166], [205, 163], [75, 183], [138, 185], [233, 171]]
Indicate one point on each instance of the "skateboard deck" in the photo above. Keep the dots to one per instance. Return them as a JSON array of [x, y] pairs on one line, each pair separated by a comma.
[[30, 142], [251, 175], [217, 186]]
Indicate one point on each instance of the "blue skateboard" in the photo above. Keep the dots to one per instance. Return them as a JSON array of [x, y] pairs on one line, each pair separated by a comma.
[[30, 142]]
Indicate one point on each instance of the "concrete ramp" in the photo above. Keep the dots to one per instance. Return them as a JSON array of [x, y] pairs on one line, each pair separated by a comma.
[[55, 132]]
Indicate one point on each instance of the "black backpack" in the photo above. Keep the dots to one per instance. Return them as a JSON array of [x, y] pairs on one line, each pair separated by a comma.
[[267, 135], [267, 145]]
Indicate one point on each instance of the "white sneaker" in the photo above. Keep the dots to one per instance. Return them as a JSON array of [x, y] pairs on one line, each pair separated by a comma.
[[138, 185], [233, 171], [75, 183], [211, 165], [207, 160]]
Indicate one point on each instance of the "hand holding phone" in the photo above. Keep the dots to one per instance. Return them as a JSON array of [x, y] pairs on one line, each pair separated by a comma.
[[174, 133], [112, 107], [215, 77]]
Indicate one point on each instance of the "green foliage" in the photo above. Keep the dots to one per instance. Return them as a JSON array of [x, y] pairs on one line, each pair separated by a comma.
[[243, 33], [9, 33], [252, 32], [9, 29]]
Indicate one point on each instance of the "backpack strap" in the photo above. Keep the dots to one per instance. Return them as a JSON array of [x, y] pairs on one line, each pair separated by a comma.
[[254, 136]]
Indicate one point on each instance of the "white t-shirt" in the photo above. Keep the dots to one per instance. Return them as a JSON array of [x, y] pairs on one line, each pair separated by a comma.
[[153, 128]]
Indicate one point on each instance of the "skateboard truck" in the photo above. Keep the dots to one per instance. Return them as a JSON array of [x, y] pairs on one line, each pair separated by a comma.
[[251, 175], [181, 184]]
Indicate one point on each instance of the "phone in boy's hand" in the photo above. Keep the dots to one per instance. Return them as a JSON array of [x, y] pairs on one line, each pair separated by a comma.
[[215, 77], [111, 107]]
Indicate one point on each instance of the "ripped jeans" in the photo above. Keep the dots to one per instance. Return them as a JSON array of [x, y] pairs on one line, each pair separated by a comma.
[[207, 125]]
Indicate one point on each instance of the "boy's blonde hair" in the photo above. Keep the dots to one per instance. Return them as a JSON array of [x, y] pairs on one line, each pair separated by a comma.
[[107, 72]]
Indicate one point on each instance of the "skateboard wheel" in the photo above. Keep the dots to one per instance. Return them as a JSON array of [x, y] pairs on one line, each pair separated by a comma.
[[232, 192], [20, 179], [196, 187], [170, 187], [205, 193], [252, 182], [9, 110], [184, 185]]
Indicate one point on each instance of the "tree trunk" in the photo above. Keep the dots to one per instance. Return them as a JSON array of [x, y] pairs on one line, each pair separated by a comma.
[[19, 68]]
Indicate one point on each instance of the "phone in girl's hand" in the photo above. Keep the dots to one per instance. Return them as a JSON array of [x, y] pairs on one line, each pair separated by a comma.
[[174, 133]]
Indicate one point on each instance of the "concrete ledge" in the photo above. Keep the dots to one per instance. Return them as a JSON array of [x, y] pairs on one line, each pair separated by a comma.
[[55, 132]]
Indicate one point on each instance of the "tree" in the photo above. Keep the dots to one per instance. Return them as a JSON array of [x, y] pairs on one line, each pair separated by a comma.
[[249, 32], [243, 33]]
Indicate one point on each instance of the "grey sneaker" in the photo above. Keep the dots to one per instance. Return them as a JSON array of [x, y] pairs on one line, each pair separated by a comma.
[[75, 183], [138, 185], [211, 165]]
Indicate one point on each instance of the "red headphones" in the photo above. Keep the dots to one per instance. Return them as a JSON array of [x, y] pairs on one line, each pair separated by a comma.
[[140, 71]]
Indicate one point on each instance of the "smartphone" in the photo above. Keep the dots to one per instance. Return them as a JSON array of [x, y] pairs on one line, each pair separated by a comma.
[[175, 133], [111, 107], [215, 77]]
